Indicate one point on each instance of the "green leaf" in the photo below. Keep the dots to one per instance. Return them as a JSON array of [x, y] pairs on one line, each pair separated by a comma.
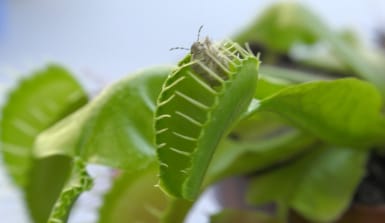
[[290, 75], [115, 129], [46, 180], [238, 158], [35, 104], [279, 27], [319, 186], [134, 198], [241, 216], [285, 24], [353, 58], [78, 182], [199, 103], [176, 211], [268, 85], [344, 111]]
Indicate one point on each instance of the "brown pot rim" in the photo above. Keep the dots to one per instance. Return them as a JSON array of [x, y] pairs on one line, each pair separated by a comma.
[[380, 207], [360, 213]]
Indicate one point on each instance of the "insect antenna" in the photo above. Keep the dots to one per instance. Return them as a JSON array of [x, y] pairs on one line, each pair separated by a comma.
[[199, 32], [179, 48]]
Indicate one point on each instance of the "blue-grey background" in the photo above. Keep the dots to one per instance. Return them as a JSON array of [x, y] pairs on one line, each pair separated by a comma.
[[104, 40], [113, 38]]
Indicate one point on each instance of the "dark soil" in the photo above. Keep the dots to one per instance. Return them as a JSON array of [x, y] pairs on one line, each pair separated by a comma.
[[371, 191]]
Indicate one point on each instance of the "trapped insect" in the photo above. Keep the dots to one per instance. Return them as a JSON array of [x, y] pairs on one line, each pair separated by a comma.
[[208, 58], [200, 100]]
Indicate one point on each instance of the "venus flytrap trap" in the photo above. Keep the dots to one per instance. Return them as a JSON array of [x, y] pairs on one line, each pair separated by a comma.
[[27, 114], [78, 182], [198, 104], [34, 104]]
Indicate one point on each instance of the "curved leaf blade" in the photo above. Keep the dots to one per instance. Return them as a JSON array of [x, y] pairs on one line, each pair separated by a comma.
[[134, 198], [47, 178], [320, 185], [344, 112], [239, 158], [35, 104], [115, 128], [285, 24], [280, 26], [78, 182]]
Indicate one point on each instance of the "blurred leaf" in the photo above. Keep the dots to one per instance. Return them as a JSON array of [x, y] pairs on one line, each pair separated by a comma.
[[279, 27], [319, 186], [350, 37], [241, 216], [35, 104], [291, 75], [115, 129], [319, 58], [268, 85], [78, 182], [237, 158], [134, 198], [344, 111], [284, 24], [46, 180], [177, 211], [351, 56]]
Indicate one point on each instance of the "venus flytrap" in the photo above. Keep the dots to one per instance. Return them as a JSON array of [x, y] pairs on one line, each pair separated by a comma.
[[212, 116], [32, 106], [199, 102], [78, 182]]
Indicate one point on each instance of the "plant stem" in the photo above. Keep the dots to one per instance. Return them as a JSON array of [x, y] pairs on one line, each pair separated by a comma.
[[282, 212]]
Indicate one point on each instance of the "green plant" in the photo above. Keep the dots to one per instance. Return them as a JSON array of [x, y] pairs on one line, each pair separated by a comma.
[[217, 114]]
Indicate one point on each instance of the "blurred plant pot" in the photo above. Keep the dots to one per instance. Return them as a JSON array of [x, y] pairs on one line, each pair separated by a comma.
[[230, 193], [367, 214], [355, 214]]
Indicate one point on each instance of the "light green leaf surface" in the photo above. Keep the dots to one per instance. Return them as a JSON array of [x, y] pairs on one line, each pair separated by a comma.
[[344, 111], [290, 75], [238, 158], [241, 216], [268, 85], [78, 182], [115, 129], [319, 186], [135, 198], [177, 211], [35, 104], [279, 27], [46, 180]]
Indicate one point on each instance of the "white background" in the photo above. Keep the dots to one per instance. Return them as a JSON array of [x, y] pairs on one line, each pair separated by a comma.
[[108, 39]]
